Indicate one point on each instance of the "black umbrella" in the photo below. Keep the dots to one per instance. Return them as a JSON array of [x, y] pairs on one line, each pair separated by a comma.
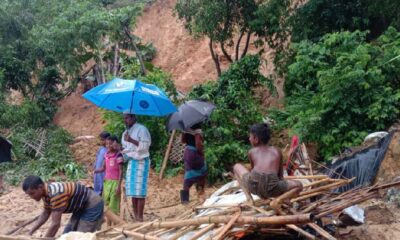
[[189, 114]]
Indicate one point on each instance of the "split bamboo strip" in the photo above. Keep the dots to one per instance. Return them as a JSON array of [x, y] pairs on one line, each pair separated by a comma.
[[141, 236], [291, 219], [311, 207], [322, 165], [327, 187], [301, 231], [202, 232], [307, 177], [345, 205], [319, 182], [321, 231], [227, 226], [307, 196], [388, 185]]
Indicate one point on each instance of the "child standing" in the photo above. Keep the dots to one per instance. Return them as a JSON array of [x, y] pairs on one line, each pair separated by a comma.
[[113, 174], [98, 178]]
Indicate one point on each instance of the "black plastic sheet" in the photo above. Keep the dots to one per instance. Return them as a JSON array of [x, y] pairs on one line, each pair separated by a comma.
[[362, 165]]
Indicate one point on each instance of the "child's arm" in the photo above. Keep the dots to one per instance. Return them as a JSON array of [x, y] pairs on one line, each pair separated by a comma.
[[251, 160], [120, 161]]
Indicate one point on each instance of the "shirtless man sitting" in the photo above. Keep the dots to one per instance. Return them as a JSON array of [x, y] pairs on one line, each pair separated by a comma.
[[266, 176]]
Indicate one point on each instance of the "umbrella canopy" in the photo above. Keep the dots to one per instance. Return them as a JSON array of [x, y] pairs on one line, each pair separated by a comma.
[[189, 114], [131, 96]]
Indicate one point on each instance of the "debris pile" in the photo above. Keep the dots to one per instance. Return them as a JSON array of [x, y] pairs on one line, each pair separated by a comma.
[[227, 214]]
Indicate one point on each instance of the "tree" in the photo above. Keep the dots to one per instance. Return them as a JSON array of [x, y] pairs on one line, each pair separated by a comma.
[[219, 21]]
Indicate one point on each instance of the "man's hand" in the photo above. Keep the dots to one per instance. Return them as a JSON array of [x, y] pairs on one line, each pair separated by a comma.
[[127, 137]]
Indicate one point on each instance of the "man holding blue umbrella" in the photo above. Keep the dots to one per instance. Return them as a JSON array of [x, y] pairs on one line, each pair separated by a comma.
[[136, 141]]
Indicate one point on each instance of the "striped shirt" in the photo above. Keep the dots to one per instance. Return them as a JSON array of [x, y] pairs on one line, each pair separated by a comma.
[[69, 197]]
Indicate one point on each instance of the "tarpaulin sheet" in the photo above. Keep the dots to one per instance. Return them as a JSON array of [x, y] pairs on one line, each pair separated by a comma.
[[362, 165]]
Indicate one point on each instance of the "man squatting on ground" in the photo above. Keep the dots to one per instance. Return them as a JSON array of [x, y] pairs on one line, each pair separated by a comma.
[[65, 197], [136, 141], [265, 178]]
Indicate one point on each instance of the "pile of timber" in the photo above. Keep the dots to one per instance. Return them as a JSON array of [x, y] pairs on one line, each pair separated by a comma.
[[228, 214]]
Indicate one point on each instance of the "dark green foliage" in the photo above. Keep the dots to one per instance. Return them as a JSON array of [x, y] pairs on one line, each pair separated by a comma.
[[237, 109], [341, 88], [318, 17]]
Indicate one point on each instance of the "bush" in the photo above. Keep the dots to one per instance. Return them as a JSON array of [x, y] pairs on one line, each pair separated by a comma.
[[57, 161], [341, 88]]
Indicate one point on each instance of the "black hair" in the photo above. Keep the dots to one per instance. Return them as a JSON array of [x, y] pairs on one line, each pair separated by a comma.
[[113, 138], [31, 182], [104, 135], [261, 131], [196, 126]]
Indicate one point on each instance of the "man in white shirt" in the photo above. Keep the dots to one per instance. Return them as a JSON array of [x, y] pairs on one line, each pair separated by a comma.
[[136, 141]]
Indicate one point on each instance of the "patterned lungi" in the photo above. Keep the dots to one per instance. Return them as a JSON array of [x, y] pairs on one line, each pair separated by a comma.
[[137, 175]]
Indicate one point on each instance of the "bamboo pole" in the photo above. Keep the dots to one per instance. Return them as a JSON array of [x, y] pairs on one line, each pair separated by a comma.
[[291, 219], [307, 177], [227, 226], [141, 236], [22, 225], [345, 205], [182, 232], [321, 231], [214, 232], [291, 226], [319, 182], [112, 216], [164, 163], [202, 232], [327, 187], [301, 231], [307, 158]]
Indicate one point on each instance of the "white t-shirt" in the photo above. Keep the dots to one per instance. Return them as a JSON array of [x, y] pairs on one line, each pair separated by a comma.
[[139, 133]]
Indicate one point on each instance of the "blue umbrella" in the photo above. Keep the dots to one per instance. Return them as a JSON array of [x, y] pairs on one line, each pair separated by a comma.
[[131, 96]]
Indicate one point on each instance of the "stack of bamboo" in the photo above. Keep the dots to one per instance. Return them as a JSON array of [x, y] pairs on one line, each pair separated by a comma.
[[230, 220]]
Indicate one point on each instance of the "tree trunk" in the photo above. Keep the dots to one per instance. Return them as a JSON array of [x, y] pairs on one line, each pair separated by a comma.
[[238, 45], [225, 52], [215, 57], [138, 54], [247, 45], [115, 66]]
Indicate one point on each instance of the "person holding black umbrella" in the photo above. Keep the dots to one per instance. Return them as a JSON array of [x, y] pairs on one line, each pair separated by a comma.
[[195, 165]]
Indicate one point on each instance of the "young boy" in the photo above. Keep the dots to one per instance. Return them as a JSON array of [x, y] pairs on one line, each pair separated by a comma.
[[98, 178], [266, 176], [113, 174]]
